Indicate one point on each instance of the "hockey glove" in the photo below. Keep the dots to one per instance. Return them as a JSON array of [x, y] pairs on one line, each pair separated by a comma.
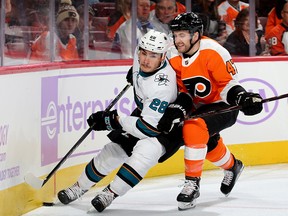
[[129, 76], [175, 113], [104, 121], [251, 103]]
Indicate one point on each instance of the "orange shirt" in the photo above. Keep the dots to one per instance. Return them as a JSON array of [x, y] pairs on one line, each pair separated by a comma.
[[208, 75], [228, 14], [40, 48], [113, 26], [272, 21], [274, 39]]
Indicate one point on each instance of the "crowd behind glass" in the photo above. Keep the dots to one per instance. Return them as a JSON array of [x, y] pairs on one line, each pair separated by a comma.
[[37, 31]]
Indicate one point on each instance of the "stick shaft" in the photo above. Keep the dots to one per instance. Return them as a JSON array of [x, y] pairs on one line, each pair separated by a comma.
[[83, 137], [234, 108], [274, 98]]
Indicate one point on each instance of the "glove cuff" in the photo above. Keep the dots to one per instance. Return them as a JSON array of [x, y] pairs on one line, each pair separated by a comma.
[[111, 121], [239, 98], [233, 94], [183, 103]]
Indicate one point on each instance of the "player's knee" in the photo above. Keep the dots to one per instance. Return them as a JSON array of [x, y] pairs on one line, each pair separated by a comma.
[[110, 157], [148, 151], [195, 132]]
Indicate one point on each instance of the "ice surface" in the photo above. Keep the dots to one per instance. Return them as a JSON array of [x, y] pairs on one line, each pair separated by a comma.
[[260, 191]]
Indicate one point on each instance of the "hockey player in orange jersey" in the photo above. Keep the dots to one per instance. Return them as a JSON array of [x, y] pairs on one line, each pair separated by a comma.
[[206, 78], [277, 38]]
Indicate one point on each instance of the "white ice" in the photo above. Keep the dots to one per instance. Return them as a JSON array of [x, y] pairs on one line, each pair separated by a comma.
[[260, 191]]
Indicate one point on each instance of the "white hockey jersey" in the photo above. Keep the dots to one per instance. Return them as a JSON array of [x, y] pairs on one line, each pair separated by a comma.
[[153, 92]]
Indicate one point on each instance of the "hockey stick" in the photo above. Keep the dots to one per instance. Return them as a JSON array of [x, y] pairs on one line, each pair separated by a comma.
[[233, 108], [38, 183]]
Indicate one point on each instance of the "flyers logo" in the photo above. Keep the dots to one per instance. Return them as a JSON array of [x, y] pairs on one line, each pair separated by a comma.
[[198, 86]]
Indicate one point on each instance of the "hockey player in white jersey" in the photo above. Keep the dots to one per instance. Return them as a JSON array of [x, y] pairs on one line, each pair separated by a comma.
[[136, 144]]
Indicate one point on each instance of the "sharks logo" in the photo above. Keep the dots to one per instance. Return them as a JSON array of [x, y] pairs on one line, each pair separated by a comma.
[[162, 79]]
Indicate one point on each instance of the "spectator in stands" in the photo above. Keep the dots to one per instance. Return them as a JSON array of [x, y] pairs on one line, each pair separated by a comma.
[[38, 18], [123, 9], [228, 11], [238, 41], [61, 3], [181, 8], [274, 17], [277, 38], [8, 9], [213, 26], [7, 6], [67, 20], [165, 11], [79, 31], [122, 41], [122, 13]]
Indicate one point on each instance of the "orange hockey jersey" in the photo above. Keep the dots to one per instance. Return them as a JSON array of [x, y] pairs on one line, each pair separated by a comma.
[[208, 75], [275, 38], [272, 21]]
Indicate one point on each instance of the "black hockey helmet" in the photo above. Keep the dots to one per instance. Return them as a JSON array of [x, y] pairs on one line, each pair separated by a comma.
[[187, 21]]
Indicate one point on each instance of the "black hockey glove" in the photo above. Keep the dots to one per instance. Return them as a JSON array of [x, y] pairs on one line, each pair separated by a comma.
[[175, 113], [104, 121], [172, 117], [129, 76], [251, 103]]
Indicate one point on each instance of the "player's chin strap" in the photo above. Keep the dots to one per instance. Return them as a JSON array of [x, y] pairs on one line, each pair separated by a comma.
[[163, 62], [192, 44]]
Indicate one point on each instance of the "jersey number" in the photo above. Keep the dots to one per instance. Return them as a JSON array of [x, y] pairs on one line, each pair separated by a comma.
[[273, 41], [158, 105], [231, 67]]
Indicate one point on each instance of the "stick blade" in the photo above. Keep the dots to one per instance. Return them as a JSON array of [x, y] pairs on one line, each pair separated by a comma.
[[33, 181]]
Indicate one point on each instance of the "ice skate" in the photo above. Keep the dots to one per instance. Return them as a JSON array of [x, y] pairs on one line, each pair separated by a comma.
[[230, 177], [190, 192], [103, 199], [70, 194]]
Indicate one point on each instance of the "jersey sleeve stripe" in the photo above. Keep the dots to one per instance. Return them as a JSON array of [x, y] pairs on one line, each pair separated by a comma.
[[146, 128]]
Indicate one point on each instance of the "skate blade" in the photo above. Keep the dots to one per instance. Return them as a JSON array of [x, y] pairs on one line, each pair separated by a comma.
[[186, 205], [226, 195], [91, 210]]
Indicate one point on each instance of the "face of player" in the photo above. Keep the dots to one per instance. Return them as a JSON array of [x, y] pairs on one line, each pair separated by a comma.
[[165, 10], [182, 41], [149, 61]]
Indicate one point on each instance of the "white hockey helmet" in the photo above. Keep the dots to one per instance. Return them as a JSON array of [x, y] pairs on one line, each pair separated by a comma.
[[155, 41]]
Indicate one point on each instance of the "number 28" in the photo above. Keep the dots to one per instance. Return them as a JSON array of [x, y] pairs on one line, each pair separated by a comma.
[[158, 105]]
